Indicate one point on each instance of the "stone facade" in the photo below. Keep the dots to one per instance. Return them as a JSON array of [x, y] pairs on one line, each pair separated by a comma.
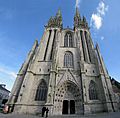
[[65, 73]]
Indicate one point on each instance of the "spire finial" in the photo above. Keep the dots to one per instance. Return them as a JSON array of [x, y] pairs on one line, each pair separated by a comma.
[[59, 14], [77, 12], [77, 18]]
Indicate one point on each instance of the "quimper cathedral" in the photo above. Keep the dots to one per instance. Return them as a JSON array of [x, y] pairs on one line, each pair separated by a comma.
[[64, 73]]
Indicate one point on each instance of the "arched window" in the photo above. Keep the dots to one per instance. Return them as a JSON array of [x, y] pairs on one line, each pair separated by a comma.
[[68, 59], [93, 95], [68, 42], [41, 92]]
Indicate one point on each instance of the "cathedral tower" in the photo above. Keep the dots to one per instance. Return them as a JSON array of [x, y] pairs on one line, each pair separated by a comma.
[[65, 73]]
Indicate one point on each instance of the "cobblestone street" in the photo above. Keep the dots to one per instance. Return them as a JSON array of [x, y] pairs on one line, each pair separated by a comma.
[[101, 115]]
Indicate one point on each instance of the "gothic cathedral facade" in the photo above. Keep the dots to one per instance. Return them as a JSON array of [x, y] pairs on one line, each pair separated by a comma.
[[64, 73]]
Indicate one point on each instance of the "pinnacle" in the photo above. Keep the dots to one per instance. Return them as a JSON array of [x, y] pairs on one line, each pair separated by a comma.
[[84, 19], [77, 12], [59, 14]]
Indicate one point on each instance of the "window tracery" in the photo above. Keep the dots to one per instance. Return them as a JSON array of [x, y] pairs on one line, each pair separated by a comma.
[[93, 95], [68, 59], [68, 42], [41, 92]]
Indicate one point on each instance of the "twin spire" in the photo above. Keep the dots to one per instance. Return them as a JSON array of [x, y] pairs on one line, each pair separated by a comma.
[[78, 22], [57, 20], [77, 12]]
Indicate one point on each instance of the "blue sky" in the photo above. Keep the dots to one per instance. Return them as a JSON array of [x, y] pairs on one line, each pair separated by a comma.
[[22, 21]]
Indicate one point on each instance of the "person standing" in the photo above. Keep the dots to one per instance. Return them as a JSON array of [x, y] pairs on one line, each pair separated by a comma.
[[47, 110], [43, 111]]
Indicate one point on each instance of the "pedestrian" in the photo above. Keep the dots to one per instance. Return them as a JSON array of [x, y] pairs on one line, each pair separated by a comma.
[[5, 109], [47, 110], [43, 111]]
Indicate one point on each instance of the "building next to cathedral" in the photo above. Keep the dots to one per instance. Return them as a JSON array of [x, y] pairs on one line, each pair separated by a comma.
[[64, 73]]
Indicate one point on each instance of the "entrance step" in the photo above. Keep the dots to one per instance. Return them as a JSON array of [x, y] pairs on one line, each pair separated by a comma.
[[66, 116]]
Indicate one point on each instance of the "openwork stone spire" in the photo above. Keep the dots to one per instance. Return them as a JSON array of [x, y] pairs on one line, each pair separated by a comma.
[[56, 21], [77, 12], [78, 21]]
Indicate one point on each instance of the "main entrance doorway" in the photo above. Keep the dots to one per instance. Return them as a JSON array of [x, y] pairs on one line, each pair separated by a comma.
[[65, 107], [68, 107], [72, 107]]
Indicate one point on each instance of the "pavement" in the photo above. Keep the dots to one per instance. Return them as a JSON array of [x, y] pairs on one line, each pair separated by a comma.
[[100, 115]]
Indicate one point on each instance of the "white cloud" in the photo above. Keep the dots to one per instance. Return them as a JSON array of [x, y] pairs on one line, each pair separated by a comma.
[[96, 21], [97, 18], [102, 37], [77, 4], [102, 8], [8, 72]]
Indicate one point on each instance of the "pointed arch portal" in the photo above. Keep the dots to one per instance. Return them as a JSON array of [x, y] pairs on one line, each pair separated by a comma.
[[68, 98]]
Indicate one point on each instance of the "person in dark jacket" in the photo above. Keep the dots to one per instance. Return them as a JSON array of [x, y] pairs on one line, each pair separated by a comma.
[[47, 110], [43, 111]]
